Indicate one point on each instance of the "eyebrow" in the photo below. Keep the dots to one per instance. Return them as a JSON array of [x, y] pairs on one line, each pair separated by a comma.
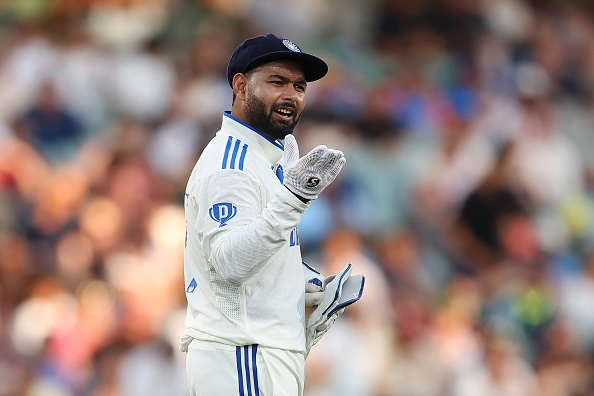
[[300, 80]]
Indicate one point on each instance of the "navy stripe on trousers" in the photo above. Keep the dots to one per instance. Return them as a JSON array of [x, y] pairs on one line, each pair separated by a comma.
[[247, 371]]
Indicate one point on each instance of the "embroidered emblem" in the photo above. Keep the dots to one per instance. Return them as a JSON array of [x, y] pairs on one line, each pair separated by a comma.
[[290, 45], [222, 212]]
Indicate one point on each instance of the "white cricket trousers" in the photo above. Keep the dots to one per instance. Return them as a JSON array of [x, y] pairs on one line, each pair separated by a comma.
[[215, 369]]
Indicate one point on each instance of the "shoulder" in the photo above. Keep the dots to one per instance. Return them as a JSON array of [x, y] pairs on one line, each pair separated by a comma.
[[226, 159], [235, 154], [228, 152]]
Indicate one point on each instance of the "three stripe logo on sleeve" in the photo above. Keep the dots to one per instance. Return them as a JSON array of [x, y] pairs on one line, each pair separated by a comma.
[[247, 371], [230, 160]]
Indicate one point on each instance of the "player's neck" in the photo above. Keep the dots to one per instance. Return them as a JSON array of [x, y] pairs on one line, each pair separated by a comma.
[[238, 113]]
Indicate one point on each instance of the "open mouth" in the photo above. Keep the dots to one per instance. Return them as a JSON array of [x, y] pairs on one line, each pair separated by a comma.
[[285, 113]]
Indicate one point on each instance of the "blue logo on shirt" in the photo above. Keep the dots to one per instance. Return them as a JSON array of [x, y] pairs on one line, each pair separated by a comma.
[[192, 286], [280, 174], [222, 212], [294, 239]]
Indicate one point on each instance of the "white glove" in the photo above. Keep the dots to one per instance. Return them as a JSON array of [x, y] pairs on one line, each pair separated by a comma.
[[340, 291], [309, 175], [314, 290], [310, 274], [314, 295], [320, 321], [320, 330]]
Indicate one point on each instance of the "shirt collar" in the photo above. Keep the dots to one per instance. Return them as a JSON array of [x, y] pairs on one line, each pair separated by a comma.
[[272, 150]]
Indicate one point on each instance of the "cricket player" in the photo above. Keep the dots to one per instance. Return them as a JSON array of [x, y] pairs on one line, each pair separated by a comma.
[[244, 278]]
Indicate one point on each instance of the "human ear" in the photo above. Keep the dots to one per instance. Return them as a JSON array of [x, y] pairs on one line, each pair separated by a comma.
[[240, 85]]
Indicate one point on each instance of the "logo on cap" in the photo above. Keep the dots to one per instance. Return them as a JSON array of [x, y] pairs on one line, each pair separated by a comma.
[[290, 45]]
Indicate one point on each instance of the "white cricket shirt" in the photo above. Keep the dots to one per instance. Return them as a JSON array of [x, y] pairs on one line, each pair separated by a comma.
[[242, 264]]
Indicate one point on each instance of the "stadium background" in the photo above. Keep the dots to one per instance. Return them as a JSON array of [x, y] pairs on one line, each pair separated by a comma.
[[467, 199]]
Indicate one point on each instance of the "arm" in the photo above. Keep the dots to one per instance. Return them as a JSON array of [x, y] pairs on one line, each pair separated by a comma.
[[239, 236]]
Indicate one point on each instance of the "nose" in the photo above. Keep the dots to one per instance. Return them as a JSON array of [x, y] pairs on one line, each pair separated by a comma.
[[290, 94], [293, 94]]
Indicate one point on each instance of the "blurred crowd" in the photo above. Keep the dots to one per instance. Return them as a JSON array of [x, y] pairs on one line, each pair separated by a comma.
[[467, 199]]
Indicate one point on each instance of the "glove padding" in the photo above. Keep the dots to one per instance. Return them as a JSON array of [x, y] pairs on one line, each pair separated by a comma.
[[311, 275], [320, 330], [340, 290], [314, 295], [314, 291], [309, 175]]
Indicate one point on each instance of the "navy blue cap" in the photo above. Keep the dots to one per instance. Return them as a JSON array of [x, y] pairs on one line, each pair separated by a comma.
[[259, 50]]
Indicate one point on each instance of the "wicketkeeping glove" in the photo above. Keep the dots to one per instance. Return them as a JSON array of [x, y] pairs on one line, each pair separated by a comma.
[[318, 332], [314, 295], [340, 290], [309, 175], [312, 275], [314, 291]]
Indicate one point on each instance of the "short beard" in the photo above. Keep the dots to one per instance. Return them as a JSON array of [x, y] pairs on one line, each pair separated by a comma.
[[257, 117]]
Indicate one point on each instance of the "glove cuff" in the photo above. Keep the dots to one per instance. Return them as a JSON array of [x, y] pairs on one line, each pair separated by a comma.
[[302, 194], [304, 200]]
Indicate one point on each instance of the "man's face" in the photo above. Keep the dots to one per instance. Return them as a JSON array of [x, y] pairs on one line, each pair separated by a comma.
[[275, 98]]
